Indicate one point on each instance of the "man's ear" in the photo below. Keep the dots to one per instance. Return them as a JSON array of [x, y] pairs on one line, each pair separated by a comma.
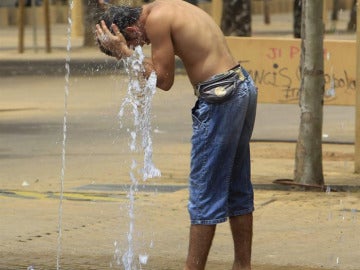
[[131, 31]]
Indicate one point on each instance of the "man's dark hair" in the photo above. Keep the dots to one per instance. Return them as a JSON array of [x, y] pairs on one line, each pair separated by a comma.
[[122, 17]]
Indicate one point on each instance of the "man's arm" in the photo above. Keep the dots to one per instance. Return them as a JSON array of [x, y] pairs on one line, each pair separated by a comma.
[[158, 30]]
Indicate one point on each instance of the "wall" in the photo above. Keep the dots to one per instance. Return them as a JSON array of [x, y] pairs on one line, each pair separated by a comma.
[[274, 65], [286, 6]]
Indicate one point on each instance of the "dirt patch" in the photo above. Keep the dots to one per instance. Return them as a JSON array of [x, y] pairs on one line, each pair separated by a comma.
[[331, 152]]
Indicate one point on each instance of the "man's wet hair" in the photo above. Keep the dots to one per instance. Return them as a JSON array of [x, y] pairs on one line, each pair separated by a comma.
[[122, 17]]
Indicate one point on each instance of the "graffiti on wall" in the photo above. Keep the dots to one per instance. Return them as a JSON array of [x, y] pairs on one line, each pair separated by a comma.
[[280, 73]]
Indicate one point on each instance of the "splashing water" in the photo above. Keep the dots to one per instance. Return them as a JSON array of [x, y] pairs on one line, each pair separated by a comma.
[[331, 91], [139, 96], [66, 94]]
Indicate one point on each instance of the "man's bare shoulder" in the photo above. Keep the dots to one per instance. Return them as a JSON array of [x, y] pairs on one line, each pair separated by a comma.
[[159, 19], [159, 13], [179, 14], [172, 8]]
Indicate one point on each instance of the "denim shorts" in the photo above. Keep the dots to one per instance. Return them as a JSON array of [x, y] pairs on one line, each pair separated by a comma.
[[220, 176]]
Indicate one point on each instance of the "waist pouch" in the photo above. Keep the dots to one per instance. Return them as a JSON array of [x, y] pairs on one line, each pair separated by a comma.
[[220, 87]]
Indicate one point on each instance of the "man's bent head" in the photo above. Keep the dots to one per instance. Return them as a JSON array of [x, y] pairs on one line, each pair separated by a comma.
[[122, 17]]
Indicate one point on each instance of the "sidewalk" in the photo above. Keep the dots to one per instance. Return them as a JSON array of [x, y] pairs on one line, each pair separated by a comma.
[[338, 121], [292, 230]]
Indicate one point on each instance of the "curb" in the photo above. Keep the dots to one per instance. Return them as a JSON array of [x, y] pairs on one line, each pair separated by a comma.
[[56, 67]]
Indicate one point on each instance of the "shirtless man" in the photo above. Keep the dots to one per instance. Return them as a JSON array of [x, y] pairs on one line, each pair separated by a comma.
[[223, 117]]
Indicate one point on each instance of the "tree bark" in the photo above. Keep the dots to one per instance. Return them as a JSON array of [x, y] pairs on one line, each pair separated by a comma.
[[352, 20], [297, 18], [91, 17], [308, 157], [236, 18]]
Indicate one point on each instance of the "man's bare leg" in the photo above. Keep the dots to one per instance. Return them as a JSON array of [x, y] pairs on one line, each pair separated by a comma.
[[200, 241], [242, 230]]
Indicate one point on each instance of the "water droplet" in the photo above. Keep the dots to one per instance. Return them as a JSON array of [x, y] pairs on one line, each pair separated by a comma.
[[143, 258], [25, 184]]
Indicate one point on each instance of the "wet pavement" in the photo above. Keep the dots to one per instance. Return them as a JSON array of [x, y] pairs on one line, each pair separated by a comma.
[[293, 230]]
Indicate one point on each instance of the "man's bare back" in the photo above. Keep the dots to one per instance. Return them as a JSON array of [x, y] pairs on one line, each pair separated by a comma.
[[178, 28], [173, 28]]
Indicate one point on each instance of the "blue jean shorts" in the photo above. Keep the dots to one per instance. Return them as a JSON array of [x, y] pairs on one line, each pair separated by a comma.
[[220, 175]]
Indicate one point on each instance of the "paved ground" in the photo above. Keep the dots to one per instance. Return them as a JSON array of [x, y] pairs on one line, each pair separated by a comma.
[[293, 230]]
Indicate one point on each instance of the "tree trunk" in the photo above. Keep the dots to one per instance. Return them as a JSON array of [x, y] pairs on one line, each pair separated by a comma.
[[194, 2], [236, 18], [91, 16], [308, 157], [352, 20], [297, 18]]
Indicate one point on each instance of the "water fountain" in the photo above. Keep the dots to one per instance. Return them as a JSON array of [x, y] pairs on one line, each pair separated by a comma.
[[139, 96], [63, 153]]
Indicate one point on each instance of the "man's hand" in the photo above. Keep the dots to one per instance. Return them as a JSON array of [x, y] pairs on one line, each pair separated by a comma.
[[114, 43]]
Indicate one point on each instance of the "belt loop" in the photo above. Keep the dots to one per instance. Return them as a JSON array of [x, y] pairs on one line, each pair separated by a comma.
[[240, 74], [197, 91]]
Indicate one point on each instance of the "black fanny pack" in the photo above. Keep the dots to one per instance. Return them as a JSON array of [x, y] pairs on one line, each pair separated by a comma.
[[220, 87]]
